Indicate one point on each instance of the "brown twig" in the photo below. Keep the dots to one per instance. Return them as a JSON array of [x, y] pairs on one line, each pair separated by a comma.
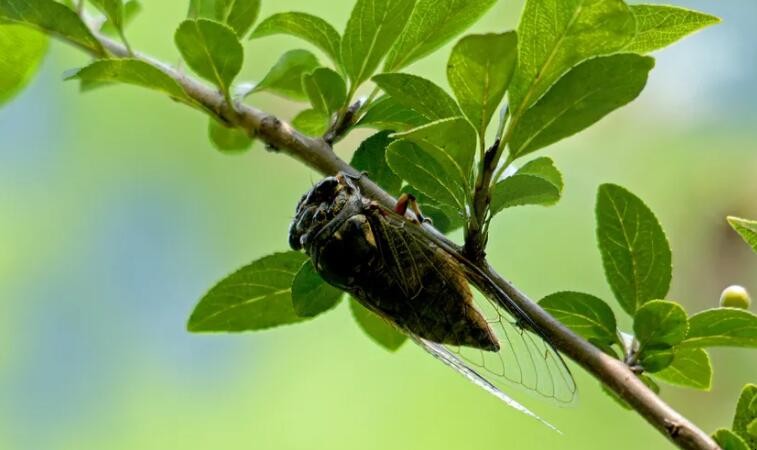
[[317, 154]]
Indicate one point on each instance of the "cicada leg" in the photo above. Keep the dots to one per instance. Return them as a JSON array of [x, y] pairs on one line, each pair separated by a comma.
[[408, 200]]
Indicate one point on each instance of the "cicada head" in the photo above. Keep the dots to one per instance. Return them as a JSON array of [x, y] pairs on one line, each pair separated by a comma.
[[318, 207]]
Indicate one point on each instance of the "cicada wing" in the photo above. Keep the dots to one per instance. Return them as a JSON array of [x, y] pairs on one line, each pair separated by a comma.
[[441, 353], [400, 251], [525, 359]]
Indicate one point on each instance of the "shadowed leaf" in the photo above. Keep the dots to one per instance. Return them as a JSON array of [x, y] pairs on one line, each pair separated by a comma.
[[536, 183], [228, 140], [285, 77], [371, 158], [418, 94], [386, 113], [325, 89], [311, 295], [588, 316], [378, 329]]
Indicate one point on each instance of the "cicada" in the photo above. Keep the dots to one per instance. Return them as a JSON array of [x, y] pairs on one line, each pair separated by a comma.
[[379, 257]]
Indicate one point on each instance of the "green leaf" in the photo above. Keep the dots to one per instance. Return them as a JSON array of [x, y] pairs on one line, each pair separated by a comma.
[[747, 229], [53, 18], [212, 50], [432, 24], [752, 428], [691, 367], [227, 139], [582, 97], [418, 94], [538, 182], [479, 70], [728, 440], [746, 413], [304, 26], [326, 90], [311, 122], [370, 157], [23, 50], [285, 77], [378, 329], [311, 295], [256, 297], [588, 316], [440, 161], [371, 30], [131, 9], [732, 327], [386, 113], [134, 72], [635, 251], [659, 26], [113, 10], [555, 35], [660, 323], [240, 15]]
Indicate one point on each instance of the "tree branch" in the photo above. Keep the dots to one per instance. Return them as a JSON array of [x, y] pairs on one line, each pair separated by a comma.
[[318, 154]]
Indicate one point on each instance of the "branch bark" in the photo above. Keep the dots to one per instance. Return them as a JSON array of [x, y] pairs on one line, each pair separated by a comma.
[[318, 154]]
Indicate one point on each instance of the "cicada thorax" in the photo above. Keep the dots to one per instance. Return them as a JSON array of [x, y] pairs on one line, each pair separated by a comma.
[[366, 251]]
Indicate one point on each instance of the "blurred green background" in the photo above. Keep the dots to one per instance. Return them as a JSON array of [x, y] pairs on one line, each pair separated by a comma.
[[116, 215]]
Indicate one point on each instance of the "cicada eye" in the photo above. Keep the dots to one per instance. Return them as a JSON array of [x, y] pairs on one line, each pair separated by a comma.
[[324, 191]]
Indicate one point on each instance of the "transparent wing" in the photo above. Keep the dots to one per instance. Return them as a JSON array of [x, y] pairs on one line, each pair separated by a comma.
[[525, 359], [441, 353]]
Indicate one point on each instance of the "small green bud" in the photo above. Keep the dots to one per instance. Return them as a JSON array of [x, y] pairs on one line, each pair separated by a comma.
[[735, 297]]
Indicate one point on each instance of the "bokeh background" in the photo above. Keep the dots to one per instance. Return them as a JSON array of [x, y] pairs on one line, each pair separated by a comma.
[[116, 215]]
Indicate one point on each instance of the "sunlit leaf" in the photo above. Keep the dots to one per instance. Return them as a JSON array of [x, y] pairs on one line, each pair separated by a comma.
[[311, 122], [285, 77], [555, 35], [134, 72], [659, 26], [418, 94], [378, 329], [432, 24], [240, 15], [656, 359], [211, 49], [586, 94], [22, 50], [732, 327], [728, 440], [371, 30], [304, 26], [132, 8], [635, 251], [52, 17], [256, 297], [113, 10], [370, 157], [691, 367], [746, 414], [311, 295], [747, 229], [538, 182], [479, 71]]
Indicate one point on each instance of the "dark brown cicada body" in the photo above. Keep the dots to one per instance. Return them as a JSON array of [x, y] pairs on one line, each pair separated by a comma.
[[377, 256], [363, 249]]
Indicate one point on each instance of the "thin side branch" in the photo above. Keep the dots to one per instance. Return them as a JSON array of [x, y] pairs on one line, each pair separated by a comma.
[[318, 154]]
